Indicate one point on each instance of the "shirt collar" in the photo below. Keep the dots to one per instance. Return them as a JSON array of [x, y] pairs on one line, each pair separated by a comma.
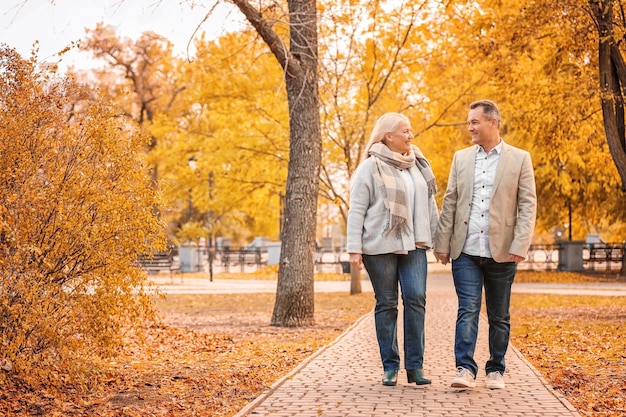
[[497, 149]]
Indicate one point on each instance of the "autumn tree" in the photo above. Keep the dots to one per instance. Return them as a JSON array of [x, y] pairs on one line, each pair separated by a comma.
[[140, 75], [537, 60], [233, 122], [556, 62], [372, 61], [75, 211], [610, 22], [296, 52]]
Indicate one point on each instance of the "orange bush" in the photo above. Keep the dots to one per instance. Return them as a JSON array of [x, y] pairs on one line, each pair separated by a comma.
[[76, 207]]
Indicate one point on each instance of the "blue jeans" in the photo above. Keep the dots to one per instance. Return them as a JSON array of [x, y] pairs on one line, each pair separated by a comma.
[[385, 272], [471, 274]]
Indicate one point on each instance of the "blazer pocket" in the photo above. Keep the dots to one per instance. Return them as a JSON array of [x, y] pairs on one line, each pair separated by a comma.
[[511, 221]]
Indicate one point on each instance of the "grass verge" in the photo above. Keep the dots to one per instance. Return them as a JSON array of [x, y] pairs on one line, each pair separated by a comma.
[[577, 343]]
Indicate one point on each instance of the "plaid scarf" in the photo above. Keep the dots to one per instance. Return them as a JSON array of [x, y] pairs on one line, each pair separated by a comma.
[[392, 188]]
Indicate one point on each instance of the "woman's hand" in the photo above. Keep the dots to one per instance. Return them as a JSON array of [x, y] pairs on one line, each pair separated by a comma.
[[444, 258], [356, 261]]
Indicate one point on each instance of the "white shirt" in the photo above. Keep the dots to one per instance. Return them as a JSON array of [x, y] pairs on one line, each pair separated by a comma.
[[409, 189], [485, 164], [416, 191]]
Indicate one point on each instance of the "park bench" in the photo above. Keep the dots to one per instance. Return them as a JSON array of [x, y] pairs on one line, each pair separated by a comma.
[[241, 257], [157, 262], [607, 254]]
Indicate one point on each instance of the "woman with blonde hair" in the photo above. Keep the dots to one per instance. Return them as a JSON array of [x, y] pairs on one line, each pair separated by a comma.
[[391, 224]]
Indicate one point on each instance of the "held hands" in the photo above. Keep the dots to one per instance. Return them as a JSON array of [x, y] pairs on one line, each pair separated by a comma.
[[444, 258], [356, 261]]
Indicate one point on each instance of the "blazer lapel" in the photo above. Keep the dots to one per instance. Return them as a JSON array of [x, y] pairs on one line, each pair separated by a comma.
[[465, 175], [504, 159]]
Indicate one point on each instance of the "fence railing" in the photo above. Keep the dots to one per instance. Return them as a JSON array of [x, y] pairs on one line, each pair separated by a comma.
[[541, 257], [597, 257], [606, 257]]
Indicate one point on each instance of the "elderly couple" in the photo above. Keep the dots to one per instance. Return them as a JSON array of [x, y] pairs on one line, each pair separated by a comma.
[[485, 228]]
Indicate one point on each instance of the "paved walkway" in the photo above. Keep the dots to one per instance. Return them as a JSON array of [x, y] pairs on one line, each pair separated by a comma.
[[343, 378]]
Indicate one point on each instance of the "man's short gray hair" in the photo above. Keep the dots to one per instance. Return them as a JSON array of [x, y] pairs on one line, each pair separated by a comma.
[[489, 108]]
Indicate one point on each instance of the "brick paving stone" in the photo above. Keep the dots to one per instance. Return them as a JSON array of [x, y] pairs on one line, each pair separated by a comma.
[[343, 378]]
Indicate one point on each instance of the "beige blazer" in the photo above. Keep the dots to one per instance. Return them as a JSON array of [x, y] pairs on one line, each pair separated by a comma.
[[512, 211]]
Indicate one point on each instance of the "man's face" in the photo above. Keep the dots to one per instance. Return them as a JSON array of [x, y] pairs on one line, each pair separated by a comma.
[[484, 131]]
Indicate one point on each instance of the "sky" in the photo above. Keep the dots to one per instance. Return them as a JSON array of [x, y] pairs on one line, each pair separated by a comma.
[[58, 23]]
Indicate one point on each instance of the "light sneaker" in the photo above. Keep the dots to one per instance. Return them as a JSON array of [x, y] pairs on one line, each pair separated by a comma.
[[464, 379], [494, 380]]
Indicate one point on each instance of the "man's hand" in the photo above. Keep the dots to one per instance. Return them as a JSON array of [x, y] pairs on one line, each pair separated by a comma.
[[356, 260], [444, 258], [516, 258]]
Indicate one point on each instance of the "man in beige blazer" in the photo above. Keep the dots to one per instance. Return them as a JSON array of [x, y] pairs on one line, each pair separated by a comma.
[[485, 227]]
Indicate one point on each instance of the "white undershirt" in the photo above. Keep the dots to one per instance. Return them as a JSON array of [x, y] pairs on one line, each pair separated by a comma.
[[485, 165]]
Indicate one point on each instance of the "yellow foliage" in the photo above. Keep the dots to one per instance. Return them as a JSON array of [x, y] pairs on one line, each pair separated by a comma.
[[232, 120], [538, 61], [227, 108], [369, 64], [76, 208]]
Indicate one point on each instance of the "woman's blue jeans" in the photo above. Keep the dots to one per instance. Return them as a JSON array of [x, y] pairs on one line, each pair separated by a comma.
[[471, 274], [385, 272]]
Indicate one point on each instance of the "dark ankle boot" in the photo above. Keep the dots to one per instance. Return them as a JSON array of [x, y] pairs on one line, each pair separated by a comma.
[[416, 376], [390, 377]]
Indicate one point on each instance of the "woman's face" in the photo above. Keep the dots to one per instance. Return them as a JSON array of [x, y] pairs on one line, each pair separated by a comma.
[[400, 139]]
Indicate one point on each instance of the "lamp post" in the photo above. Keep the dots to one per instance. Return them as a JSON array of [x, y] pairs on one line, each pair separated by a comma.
[[562, 169], [569, 213], [210, 223], [209, 215], [193, 165]]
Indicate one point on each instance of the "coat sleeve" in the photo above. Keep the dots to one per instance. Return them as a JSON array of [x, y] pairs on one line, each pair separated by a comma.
[[445, 226], [434, 217], [360, 195], [526, 209]]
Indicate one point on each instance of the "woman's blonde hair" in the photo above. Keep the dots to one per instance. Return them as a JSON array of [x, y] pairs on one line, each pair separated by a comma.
[[386, 123]]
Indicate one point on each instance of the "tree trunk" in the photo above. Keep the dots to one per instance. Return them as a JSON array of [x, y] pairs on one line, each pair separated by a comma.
[[355, 281], [612, 71], [294, 305]]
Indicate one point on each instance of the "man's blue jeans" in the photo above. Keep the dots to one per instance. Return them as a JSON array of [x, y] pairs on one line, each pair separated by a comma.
[[385, 272], [471, 274]]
